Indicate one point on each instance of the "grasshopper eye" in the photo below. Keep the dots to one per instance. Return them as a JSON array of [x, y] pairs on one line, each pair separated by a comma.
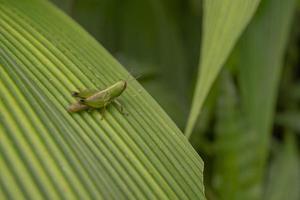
[[81, 100], [75, 94]]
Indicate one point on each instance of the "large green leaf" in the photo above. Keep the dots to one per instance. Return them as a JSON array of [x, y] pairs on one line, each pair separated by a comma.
[[223, 22], [47, 152]]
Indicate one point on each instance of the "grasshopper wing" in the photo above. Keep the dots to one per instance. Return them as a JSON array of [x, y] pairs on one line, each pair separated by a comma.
[[85, 93], [98, 100]]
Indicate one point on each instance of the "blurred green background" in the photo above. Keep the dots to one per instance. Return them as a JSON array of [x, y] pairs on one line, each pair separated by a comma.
[[248, 131]]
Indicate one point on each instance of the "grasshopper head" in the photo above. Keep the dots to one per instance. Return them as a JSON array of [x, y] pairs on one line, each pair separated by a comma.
[[117, 88]]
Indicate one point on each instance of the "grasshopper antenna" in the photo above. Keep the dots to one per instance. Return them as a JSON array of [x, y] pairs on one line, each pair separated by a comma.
[[135, 78], [128, 79]]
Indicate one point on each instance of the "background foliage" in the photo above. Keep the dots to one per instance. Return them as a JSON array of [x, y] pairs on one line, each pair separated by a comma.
[[227, 72]]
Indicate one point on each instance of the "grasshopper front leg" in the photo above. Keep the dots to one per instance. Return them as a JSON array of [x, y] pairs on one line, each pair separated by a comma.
[[102, 112], [120, 107]]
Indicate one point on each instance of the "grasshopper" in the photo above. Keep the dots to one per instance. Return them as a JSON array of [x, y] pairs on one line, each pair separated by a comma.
[[95, 99]]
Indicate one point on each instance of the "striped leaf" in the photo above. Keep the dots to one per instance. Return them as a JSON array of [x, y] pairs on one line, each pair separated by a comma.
[[47, 152]]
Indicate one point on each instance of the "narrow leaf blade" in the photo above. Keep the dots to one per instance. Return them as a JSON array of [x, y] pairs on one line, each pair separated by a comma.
[[223, 23]]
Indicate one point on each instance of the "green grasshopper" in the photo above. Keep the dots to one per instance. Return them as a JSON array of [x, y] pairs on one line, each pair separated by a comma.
[[95, 99]]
